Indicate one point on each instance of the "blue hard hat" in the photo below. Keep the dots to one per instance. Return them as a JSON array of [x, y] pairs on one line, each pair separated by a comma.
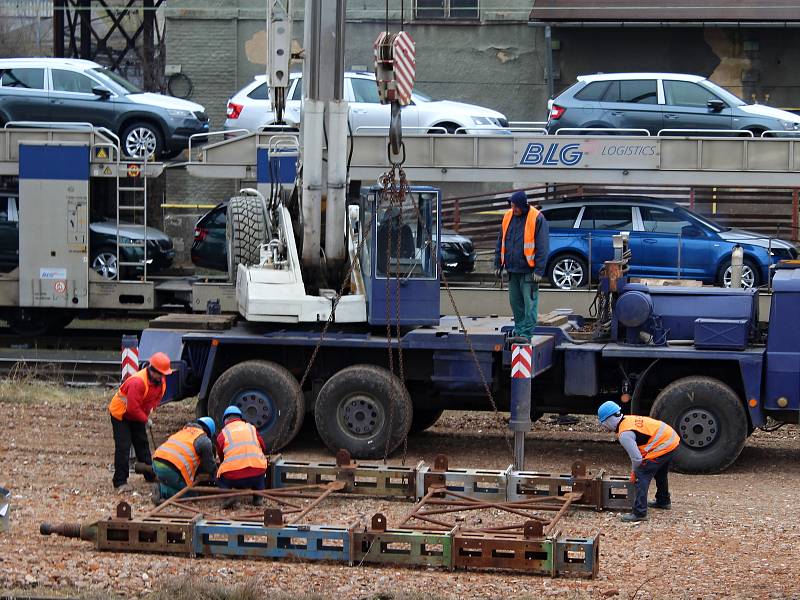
[[608, 409], [231, 411], [208, 423]]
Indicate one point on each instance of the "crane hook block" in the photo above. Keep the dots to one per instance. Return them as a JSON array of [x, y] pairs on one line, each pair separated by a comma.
[[395, 67]]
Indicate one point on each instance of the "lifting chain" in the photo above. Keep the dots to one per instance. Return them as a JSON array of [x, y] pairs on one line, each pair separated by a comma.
[[394, 187]]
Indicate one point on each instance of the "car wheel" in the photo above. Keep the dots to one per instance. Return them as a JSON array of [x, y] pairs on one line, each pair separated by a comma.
[[750, 278], [568, 272], [142, 140], [104, 262]]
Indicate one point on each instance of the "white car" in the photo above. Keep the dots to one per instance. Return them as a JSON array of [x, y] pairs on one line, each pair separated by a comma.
[[251, 109]]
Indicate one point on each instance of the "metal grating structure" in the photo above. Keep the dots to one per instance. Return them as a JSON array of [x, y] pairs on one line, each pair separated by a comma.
[[434, 533]]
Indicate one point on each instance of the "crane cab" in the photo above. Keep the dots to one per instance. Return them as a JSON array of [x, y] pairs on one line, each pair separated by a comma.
[[400, 257]]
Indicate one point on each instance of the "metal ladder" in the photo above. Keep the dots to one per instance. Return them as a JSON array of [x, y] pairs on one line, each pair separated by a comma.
[[132, 203]]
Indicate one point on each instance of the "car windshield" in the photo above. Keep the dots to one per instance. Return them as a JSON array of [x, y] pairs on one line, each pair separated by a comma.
[[723, 93], [715, 227], [115, 82]]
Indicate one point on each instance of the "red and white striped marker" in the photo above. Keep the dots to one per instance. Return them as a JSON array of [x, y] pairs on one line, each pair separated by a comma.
[[130, 356], [521, 361], [405, 66]]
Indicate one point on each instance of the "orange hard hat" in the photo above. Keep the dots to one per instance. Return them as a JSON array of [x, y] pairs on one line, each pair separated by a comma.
[[160, 362]]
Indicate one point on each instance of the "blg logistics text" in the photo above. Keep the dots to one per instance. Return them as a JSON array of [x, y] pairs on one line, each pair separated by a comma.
[[560, 154]]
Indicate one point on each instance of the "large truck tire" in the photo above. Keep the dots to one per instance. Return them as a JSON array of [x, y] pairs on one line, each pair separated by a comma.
[[268, 395], [709, 418], [354, 409], [424, 419], [246, 227]]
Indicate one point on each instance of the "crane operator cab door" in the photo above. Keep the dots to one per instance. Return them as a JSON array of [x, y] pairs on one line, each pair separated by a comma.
[[400, 258]]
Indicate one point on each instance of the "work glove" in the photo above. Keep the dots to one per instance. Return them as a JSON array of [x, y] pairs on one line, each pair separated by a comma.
[[498, 273], [633, 477], [150, 423], [537, 278]]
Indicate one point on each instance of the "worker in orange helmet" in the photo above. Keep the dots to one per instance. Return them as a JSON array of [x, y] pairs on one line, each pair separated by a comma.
[[130, 410]]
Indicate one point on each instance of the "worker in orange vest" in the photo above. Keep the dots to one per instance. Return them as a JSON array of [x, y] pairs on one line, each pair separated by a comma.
[[522, 248], [241, 450], [651, 445], [130, 410], [185, 455]]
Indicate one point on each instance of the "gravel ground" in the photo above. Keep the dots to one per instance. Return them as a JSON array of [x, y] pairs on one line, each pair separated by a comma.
[[732, 535]]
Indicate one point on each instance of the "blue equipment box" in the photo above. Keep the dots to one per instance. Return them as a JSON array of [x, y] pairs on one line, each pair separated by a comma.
[[721, 334]]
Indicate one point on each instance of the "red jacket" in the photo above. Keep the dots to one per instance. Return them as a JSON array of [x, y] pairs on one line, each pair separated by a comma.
[[139, 405], [241, 473]]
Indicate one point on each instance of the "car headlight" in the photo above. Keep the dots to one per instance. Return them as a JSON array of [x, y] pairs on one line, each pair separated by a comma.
[[179, 114], [481, 120], [789, 125]]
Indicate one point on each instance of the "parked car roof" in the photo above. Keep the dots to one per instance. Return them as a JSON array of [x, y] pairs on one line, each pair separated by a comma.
[[67, 62], [618, 76], [627, 200]]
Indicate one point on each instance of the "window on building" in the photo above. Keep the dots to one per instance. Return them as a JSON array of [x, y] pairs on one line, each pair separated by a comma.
[[32, 79], [70, 81], [446, 9], [607, 218]]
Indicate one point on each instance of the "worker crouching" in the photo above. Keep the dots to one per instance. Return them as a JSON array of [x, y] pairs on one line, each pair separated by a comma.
[[651, 445], [183, 458], [241, 450]]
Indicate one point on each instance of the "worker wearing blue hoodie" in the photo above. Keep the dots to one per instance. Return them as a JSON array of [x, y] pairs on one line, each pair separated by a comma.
[[522, 248]]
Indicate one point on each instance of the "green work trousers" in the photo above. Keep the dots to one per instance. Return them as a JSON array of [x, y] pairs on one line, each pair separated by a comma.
[[523, 294]]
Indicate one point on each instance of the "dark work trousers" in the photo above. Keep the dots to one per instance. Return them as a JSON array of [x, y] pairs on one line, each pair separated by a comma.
[[247, 483], [127, 433], [657, 469]]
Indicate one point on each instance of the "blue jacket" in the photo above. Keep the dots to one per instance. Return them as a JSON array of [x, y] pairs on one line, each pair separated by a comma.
[[515, 243]]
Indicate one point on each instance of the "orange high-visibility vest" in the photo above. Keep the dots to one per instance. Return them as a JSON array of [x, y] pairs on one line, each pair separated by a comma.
[[240, 449], [119, 403], [529, 237], [179, 451], [661, 437]]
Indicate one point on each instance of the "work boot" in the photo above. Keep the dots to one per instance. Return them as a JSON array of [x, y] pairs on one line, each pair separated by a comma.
[[257, 500], [155, 495], [519, 339], [633, 518], [123, 489], [655, 504]]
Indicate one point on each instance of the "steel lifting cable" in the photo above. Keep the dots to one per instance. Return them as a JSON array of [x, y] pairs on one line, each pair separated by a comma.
[[486, 388]]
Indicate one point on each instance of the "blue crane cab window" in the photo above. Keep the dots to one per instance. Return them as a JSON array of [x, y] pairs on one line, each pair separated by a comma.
[[404, 237]]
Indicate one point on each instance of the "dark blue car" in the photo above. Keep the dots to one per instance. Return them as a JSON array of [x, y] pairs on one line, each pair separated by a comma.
[[666, 241]]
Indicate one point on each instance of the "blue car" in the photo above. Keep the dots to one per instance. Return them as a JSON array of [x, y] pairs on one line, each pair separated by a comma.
[[666, 241]]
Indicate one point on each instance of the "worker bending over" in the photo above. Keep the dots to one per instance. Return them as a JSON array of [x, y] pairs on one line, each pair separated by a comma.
[[241, 450], [522, 248], [187, 454], [651, 445], [130, 410]]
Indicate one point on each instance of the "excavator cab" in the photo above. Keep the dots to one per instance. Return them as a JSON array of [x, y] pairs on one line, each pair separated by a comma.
[[400, 257]]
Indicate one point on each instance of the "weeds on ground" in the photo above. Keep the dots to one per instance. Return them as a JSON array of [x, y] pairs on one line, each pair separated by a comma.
[[252, 589], [25, 385]]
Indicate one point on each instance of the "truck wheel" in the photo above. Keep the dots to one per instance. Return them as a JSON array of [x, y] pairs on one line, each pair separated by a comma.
[[268, 395], [709, 418], [424, 419], [354, 407], [246, 231]]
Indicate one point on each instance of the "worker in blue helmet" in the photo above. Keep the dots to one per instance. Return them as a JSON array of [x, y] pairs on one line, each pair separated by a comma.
[[651, 445], [522, 248], [185, 457], [242, 453]]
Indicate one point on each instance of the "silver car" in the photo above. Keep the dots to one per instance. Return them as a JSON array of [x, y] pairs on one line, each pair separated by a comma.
[[661, 101], [250, 109]]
